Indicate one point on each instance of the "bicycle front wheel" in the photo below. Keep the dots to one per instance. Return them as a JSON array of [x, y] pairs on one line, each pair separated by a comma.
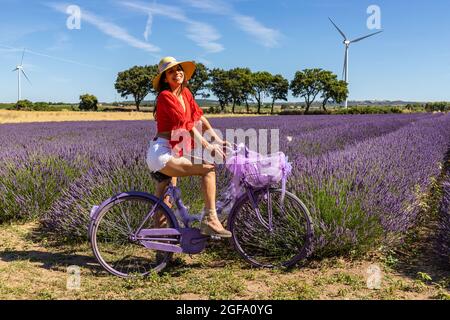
[[279, 236], [112, 236]]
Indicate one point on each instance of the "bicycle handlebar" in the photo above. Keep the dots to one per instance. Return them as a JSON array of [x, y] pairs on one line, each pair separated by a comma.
[[237, 148]]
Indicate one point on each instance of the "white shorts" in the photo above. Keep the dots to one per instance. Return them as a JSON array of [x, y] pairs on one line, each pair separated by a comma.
[[158, 154]]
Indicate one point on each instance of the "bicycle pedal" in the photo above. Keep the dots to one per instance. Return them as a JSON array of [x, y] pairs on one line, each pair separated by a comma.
[[216, 238]]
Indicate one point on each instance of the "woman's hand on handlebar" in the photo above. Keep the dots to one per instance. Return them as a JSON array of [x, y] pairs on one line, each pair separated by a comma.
[[227, 147], [227, 144], [215, 149]]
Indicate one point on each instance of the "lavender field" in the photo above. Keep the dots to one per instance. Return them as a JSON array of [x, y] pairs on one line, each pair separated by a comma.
[[365, 178]]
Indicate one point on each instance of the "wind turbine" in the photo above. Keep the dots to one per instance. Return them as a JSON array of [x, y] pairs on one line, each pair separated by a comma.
[[347, 45], [20, 69]]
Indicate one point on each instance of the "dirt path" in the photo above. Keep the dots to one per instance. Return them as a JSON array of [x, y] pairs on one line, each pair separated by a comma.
[[31, 268]]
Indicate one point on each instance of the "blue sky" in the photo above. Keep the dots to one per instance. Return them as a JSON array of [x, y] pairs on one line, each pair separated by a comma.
[[410, 60]]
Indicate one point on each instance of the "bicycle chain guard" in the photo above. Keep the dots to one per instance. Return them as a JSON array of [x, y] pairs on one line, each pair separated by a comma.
[[192, 241]]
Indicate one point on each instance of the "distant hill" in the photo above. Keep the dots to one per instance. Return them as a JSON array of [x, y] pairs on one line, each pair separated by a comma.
[[210, 102], [201, 102], [204, 103], [382, 103], [359, 103]]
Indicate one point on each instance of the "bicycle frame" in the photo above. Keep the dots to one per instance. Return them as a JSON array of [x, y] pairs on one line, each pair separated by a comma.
[[243, 195], [182, 212], [191, 239]]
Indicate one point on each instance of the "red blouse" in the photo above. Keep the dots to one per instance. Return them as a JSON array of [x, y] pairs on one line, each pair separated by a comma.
[[170, 114]]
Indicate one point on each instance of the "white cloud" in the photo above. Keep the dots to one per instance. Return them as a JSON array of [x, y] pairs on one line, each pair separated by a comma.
[[12, 33], [12, 49], [203, 34], [148, 27], [171, 12], [264, 35], [109, 28], [213, 6]]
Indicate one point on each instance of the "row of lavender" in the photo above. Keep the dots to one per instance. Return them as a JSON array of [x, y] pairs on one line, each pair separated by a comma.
[[368, 194], [360, 175], [442, 244], [40, 160]]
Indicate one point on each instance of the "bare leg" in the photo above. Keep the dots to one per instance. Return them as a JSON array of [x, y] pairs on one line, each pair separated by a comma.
[[209, 189], [181, 167], [160, 220]]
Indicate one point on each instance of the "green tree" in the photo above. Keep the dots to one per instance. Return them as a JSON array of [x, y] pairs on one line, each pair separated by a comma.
[[261, 84], [240, 85], [198, 81], [136, 81], [41, 106], [88, 102], [332, 88], [437, 106], [26, 105], [220, 86], [307, 84], [278, 89], [339, 91], [246, 77]]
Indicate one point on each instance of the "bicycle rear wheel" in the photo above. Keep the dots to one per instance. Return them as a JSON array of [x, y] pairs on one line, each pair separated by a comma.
[[289, 240], [112, 236]]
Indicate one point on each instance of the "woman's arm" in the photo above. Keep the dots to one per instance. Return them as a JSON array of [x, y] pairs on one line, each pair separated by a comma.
[[198, 137], [198, 115], [207, 126], [205, 144]]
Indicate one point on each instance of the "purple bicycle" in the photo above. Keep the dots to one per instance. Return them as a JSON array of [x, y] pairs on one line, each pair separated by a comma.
[[270, 226]]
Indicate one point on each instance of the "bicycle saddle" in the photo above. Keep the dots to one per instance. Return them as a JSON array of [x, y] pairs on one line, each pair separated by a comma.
[[159, 176]]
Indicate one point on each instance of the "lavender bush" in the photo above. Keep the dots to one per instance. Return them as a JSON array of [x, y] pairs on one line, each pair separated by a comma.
[[367, 194], [442, 243], [360, 175]]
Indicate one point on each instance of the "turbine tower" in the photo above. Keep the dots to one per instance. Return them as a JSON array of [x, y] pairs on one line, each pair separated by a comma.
[[347, 45], [19, 70]]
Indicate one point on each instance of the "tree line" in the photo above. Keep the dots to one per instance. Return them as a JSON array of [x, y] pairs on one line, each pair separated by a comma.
[[239, 86]]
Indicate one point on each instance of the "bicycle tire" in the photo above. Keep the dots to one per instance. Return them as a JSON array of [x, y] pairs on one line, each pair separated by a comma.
[[290, 240], [107, 254]]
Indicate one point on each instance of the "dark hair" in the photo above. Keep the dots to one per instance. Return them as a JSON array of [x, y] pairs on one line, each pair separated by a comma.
[[165, 86]]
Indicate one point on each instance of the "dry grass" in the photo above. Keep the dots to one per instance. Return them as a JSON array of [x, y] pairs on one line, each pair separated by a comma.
[[12, 116], [31, 268]]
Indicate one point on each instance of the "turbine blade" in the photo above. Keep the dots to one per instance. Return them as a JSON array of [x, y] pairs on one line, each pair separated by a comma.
[[340, 31], [359, 39], [26, 76], [15, 69], [23, 53]]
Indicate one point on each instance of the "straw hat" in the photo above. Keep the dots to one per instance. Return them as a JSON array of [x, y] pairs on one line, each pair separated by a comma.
[[169, 62]]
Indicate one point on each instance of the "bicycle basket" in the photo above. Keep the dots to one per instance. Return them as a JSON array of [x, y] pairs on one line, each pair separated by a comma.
[[260, 170]]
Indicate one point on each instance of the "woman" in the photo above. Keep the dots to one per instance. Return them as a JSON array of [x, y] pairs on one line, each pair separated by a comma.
[[176, 109]]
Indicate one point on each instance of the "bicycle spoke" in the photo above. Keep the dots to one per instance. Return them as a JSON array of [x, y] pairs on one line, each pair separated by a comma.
[[288, 237], [126, 220], [113, 234]]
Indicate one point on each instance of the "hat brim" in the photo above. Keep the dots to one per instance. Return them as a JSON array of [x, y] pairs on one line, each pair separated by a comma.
[[188, 68]]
